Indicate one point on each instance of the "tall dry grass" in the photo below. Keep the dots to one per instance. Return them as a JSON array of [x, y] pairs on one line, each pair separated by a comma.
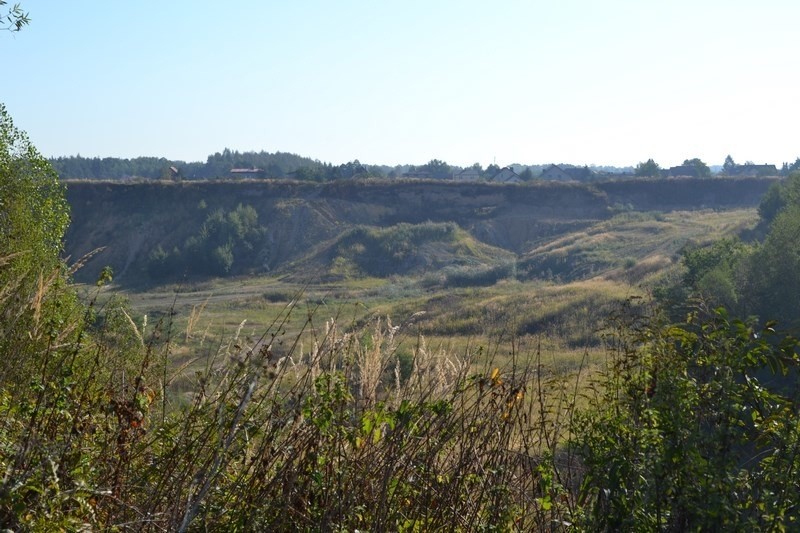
[[366, 429]]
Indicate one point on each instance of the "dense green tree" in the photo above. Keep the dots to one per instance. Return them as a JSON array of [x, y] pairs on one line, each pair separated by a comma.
[[33, 210], [648, 168], [760, 279], [773, 280], [728, 165], [713, 271], [227, 242], [352, 169], [36, 304], [771, 203], [491, 171], [778, 196], [437, 169], [702, 169]]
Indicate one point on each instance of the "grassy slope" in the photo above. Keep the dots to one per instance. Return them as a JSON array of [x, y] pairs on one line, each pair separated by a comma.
[[562, 317]]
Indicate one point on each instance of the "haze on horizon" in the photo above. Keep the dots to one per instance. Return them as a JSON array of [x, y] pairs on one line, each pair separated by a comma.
[[611, 83]]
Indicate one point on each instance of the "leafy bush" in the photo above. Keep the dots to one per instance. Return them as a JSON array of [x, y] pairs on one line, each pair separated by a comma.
[[772, 273], [761, 279], [36, 305], [384, 251], [226, 243], [693, 427]]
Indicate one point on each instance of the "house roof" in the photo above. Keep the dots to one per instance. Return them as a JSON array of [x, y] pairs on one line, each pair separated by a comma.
[[555, 170], [506, 174], [469, 170]]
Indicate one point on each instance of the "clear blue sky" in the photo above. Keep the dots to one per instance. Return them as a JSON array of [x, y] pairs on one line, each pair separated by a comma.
[[584, 82]]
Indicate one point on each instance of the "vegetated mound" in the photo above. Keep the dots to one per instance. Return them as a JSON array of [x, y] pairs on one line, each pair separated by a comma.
[[401, 249], [631, 245]]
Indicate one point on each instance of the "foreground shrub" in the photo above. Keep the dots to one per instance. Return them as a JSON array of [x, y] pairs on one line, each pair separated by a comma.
[[694, 427]]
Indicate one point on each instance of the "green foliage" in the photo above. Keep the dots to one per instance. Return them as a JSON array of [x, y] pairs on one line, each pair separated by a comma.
[[108, 168], [226, 243], [384, 251], [699, 262], [36, 306], [649, 169], [437, 169], [728, 165], [526, 175], [762, 280], [491, 171], [14, 18], [684, 433], [773, 271], [33, 211], [778, 196], [701, 168], [772, 202]]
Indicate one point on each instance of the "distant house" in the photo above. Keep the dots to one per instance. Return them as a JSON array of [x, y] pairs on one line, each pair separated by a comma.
[[751, 170], [689, 171], [247, 172], [506, 175], [555, 173], [468, 174]]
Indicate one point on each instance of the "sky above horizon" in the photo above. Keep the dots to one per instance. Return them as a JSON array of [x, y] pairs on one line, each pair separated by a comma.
[[526, 82]]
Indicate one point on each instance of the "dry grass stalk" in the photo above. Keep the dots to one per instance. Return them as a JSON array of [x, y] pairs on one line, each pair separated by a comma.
[[194, 318]]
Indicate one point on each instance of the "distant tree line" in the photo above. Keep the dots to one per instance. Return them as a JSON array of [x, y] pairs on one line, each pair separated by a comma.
[[277, 165], [284, 165], [218, 165], [696, 167]]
